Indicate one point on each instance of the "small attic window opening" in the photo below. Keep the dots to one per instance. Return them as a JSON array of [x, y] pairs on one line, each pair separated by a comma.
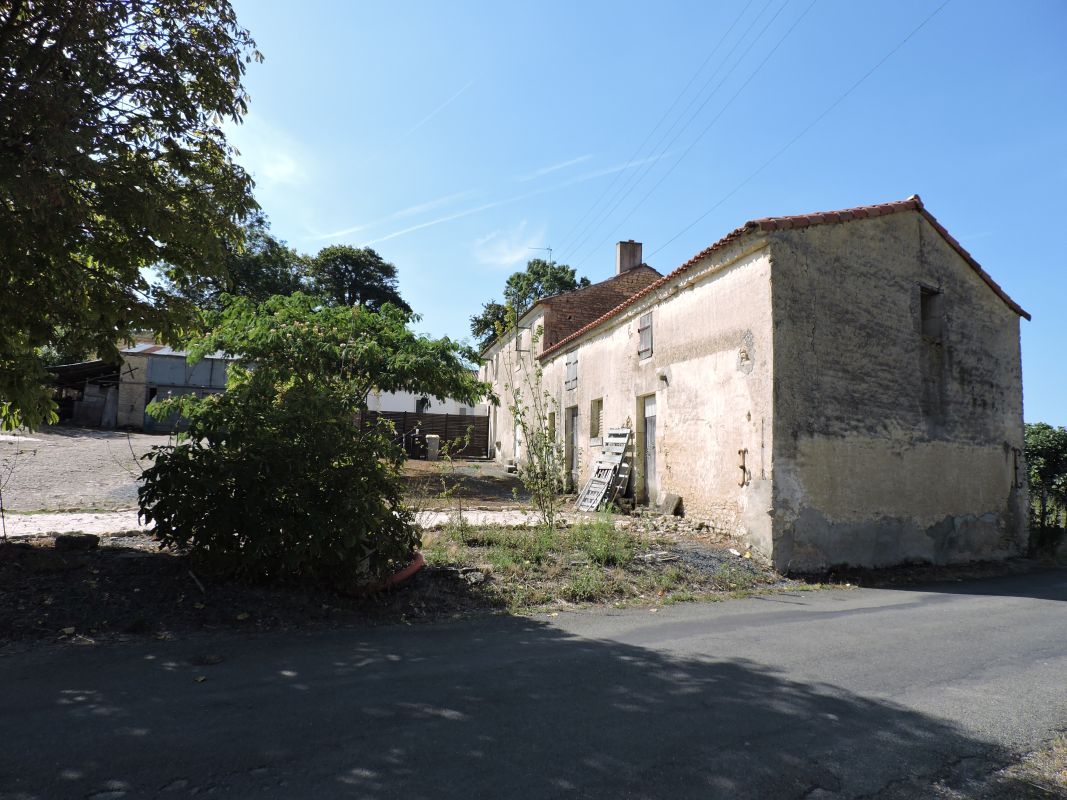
[[931, 314]]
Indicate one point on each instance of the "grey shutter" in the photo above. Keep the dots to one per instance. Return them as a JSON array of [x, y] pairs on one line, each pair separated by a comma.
[[644, 330]]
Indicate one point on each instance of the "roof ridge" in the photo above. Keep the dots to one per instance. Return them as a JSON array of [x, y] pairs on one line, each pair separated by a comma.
[[598, 283], [766, 224]]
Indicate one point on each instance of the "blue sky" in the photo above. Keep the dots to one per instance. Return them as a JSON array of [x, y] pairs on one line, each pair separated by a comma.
[[452, 138]]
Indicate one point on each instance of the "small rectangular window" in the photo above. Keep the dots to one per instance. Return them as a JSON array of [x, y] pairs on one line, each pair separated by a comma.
[[552, 426], [931, 313], [596, 411], [570, 381], [644, 332]]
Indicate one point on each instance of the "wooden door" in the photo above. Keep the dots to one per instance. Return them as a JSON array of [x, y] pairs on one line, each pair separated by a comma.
[[572, 445], [651, 484]]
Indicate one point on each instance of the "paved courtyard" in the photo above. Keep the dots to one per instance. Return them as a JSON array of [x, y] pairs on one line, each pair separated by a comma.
[[72, 469]]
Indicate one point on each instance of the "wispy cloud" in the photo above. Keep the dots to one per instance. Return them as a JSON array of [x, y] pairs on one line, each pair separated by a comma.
[[540, 173], [437, 110], [515, 199], [438, 221], [506, 248], [410, 211], [270, 154], [600, 173]]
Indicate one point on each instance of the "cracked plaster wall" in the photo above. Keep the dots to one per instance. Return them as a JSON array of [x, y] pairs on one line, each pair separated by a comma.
[[710, 371], [891, 446]]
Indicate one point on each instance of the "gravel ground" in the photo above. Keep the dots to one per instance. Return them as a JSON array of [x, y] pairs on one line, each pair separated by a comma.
[[69, 469], [72, 469], [40, 524]]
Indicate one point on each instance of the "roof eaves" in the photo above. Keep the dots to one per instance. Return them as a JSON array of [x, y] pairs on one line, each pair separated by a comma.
[[729, 238], [985, 276], [768, 224], [547, 301]]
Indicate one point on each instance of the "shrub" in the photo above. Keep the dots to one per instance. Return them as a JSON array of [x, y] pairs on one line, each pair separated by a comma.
[[275, 477]]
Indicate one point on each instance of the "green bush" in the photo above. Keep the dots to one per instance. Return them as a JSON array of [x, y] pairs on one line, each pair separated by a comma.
[[324, 506], [275, 478]]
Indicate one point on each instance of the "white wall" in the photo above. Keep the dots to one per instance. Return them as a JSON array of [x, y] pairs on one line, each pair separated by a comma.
[[406, 401]]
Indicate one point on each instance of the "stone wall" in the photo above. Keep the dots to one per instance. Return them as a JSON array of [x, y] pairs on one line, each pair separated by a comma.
[[892, 443]]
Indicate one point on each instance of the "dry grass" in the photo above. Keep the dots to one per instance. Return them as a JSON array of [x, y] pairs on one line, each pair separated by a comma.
[[586, 563], [1044, 770]]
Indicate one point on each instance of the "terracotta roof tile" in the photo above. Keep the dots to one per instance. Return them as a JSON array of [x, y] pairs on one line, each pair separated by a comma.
[[766, 224]]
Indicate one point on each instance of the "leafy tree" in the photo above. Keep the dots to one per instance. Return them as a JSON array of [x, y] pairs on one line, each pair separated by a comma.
[[259, 267], [275, 478], [112, 158], [63, 351], [352, 276], [540, 279], [487, 325], [1046, 458]]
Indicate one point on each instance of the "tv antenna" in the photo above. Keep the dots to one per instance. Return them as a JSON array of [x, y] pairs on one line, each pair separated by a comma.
[[549, 249]]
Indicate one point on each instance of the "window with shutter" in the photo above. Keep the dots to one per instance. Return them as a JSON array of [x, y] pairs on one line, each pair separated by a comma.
[[596, 411], [570, 381], [644, 332]]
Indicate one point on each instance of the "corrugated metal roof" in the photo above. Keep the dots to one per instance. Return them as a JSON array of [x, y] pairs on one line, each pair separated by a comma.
[[148, 349]]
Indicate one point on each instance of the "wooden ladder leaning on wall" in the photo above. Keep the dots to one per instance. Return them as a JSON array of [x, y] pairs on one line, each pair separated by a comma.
[[611, 472]]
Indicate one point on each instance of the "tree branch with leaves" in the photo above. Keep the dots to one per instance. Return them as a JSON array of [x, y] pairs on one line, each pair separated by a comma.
[[112, 160]]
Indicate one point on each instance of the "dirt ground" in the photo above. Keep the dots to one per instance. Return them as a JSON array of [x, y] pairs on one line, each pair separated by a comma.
[[72, 469], [480, 485], [128, 588]]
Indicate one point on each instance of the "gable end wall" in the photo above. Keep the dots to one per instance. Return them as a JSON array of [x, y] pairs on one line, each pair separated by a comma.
[[891, 447]]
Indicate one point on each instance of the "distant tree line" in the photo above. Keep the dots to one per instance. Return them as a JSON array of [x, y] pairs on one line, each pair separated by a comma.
[[260, 266]]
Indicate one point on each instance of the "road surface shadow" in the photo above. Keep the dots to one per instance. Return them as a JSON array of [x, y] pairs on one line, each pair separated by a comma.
[[1034, 584], [503, 707]]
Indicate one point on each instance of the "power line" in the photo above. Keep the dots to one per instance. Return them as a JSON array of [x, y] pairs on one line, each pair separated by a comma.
[[808, 127], [663, 118], [710, 125], [634, 180]]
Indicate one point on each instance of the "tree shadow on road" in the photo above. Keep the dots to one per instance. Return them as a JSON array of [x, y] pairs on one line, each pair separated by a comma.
[[504, 707]]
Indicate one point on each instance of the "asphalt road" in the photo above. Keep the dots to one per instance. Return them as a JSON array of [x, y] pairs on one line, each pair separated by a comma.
[[809, 695]]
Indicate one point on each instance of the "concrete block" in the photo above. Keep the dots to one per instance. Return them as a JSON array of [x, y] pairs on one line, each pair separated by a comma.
[[433, 446]]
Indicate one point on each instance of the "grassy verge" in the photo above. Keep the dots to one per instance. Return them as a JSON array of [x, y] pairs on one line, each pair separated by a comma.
[[586, 563], [1043, 772]]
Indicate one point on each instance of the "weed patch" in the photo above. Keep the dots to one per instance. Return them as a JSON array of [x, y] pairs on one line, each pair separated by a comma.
[[590, 562]]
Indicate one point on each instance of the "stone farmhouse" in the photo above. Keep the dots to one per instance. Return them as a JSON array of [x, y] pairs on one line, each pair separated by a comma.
[[835, 388]]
